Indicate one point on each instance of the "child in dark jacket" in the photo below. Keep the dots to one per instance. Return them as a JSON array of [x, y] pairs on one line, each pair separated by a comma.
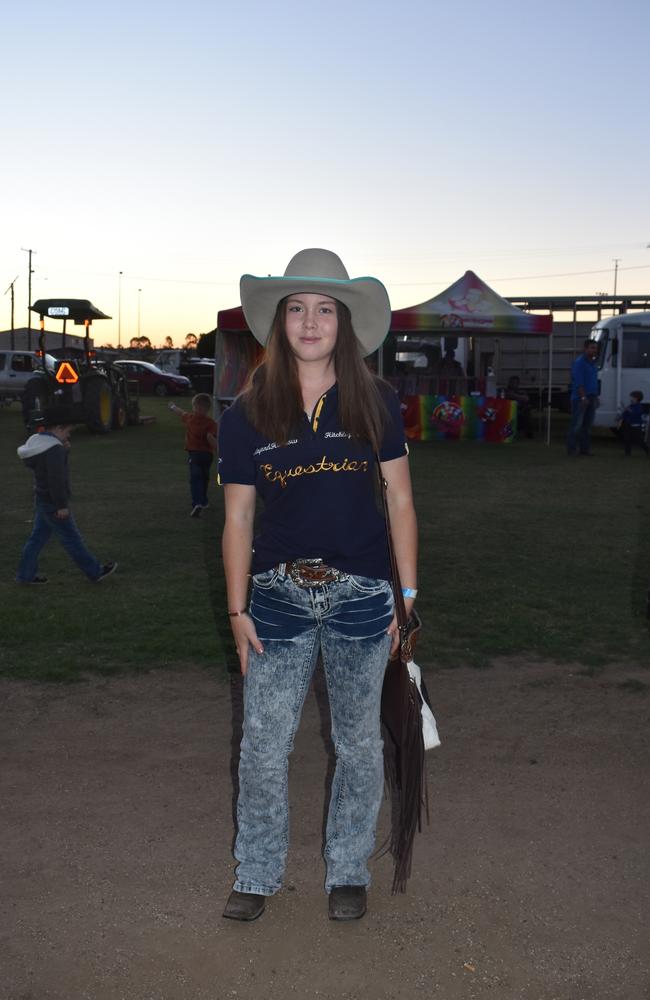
[[631, 425], [46, 454]]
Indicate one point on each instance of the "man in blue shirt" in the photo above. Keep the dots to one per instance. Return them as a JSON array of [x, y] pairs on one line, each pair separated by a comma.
[[584, 400]]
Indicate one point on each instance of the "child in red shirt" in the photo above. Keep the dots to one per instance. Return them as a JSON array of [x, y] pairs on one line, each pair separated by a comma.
[[200, 445]]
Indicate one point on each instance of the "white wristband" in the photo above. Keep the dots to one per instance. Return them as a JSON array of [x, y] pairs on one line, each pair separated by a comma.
[[409, 592]]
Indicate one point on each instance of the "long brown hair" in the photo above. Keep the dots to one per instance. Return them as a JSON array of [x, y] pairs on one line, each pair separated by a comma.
[[272, 396]]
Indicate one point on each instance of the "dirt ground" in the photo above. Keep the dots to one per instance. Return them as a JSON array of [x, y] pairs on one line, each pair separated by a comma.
[[529, 884]]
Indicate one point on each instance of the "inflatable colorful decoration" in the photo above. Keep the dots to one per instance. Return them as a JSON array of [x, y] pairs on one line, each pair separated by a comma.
[[459, 418]]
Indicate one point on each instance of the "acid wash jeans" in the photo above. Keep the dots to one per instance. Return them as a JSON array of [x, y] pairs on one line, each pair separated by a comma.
[[346, 621]]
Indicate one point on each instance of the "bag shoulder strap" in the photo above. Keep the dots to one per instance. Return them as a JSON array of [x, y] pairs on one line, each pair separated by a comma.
[[400, 608]]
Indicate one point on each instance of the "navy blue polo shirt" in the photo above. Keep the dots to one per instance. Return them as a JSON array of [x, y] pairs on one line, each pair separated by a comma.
[[318, 489]]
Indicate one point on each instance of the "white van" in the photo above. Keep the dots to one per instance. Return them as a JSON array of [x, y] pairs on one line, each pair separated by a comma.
[[169, 360], [623, 362]]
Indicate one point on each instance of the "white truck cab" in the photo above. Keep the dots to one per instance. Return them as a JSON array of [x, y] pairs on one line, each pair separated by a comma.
[[16, 369], [623, 362]]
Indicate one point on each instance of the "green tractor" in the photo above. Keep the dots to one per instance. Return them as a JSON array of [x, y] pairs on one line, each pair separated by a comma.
[[96, 392]]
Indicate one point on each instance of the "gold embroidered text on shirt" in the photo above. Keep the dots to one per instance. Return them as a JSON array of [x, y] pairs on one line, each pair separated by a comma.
[[347, 465]]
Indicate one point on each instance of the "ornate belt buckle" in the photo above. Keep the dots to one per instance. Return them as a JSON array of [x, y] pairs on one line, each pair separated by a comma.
[[307, 572]]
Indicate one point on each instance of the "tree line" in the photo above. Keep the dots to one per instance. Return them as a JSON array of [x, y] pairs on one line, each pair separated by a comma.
[[203, 345]]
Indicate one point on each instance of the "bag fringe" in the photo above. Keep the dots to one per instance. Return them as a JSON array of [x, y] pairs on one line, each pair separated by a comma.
[[405, 776]]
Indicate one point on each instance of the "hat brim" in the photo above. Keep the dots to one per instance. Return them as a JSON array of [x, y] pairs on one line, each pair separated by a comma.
[[366, 298]]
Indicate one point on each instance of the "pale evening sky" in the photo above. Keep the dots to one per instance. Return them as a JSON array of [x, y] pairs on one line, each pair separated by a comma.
[[186, 143]]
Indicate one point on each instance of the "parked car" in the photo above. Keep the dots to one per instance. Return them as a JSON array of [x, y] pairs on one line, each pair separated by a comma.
[[150, 378], [16, 369], [200, 372]]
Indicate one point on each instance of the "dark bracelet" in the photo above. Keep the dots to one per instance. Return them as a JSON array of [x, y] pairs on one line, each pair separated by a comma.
[[237, 614]]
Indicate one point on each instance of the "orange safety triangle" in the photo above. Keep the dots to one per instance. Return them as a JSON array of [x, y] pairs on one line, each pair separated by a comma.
[[66, 373]]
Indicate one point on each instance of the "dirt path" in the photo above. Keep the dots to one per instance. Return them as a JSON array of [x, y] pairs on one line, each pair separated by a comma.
[[530, 884]]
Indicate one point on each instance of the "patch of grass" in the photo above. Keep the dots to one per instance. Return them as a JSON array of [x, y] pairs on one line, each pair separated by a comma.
[[523, 551], [163, 607]]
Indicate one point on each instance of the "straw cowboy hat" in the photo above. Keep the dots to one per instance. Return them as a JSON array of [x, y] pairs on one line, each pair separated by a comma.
[[319, 271]]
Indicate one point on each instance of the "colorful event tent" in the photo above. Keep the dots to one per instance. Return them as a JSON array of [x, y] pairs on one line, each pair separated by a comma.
[[469, 307]]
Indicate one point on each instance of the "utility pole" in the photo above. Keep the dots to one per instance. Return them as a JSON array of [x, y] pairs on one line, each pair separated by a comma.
[[29, 298], [139, 290], [617, 261], [12, 335]]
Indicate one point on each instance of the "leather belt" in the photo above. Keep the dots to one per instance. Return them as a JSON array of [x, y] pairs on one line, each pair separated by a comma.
[[311, 572]]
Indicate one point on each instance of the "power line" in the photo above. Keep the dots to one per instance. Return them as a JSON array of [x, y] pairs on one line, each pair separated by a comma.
[[140, 277], [528, 277], [396, 284]]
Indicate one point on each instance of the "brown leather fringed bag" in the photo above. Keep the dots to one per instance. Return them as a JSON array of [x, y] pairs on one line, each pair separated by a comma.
[[401, 717]]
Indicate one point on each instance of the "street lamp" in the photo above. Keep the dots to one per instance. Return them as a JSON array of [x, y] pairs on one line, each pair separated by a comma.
[[617, 261], [119, 311]]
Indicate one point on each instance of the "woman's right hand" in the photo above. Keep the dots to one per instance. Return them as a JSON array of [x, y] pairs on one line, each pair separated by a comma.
[[243, 630]]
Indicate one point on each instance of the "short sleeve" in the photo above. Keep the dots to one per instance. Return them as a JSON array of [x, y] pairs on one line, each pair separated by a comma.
[[236, 464], [393, 444]]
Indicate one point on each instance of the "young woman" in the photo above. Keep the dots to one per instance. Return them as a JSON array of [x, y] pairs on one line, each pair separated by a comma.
[[303, 436]]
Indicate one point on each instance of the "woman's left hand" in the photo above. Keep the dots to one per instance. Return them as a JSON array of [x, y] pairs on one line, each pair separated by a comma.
[[393, 630]]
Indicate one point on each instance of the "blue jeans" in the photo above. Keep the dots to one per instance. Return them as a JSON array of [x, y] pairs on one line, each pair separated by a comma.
[[631, 436], [582, 418], [200, 462], [46, 524], [346, 621]]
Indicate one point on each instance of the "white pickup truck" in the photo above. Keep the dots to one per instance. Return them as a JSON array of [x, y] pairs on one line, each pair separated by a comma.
[[16, 369], [623, 362]]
